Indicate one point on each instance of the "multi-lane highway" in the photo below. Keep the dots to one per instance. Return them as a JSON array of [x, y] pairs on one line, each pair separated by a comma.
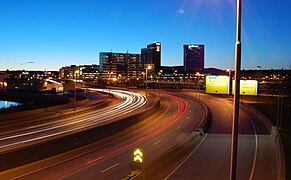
[[111, 158], [211, 160], [171, 126], [129, 102]]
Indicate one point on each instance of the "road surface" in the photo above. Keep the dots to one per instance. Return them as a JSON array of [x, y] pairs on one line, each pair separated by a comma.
[[211, 160], [128, 103], [112, 158]]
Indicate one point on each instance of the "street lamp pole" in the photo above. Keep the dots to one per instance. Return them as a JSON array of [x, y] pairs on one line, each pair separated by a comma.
[[146, 82], [258, 87], [234, 140], [160, 83], [146, 87], [147, 67], [229, 75], [76, 72], [198, 79]]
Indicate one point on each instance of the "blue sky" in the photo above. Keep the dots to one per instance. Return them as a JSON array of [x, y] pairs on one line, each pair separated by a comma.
[[56, 33]]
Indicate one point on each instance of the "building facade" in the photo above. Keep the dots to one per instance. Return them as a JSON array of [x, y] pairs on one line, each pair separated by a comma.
[[68, 72], [193, 58], [81, 72], [89, 72], [152, 55], [120, 67]]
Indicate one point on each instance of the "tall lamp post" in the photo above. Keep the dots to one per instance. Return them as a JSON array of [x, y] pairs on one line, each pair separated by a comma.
[[259, 78], [161, 71], [229, 75], [234, 139], [76, 72], [109, 77], [198, 79], [148, 67]]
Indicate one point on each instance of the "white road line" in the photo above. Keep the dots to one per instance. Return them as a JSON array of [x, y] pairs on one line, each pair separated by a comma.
[[94, 160], [256, 150], [101, 119], [107, 169], [140, 139], [178, 127], [188, 117], [95, 149], [185, 159], [157, 142]]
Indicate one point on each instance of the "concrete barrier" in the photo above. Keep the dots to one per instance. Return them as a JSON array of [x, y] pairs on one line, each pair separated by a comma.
[[280, 155]]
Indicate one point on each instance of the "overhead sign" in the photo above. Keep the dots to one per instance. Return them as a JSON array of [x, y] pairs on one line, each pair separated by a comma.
[[217, 84], [138, 155], [247, 87]]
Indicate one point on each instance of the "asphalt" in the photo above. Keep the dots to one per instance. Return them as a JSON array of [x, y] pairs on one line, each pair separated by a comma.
[[258, 157]]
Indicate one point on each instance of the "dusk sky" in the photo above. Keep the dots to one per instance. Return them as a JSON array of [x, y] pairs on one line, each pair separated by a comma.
[[49, 34]]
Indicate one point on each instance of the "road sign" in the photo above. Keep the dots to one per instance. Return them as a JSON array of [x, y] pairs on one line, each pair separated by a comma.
[[247, 87], [217, 84], [138, 155]]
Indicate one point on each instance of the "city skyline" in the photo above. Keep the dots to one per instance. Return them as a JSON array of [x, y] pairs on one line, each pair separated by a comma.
[[47, 35]]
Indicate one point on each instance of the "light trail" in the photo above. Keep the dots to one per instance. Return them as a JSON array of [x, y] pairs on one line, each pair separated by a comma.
[[113, 150], [131, 102], [120, 145]]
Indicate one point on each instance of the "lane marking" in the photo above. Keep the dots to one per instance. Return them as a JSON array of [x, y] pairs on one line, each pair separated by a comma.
[[94, 160], [111, 167], [188, 117], [141, 138], [157, 142], [58, 126], [95, 149], [178, 127], [185, 159], [256, 149]]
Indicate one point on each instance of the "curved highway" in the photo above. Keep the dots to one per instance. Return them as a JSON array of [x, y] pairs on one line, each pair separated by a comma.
[[130, 102], [111, 158], [211, 160], [169, 127]]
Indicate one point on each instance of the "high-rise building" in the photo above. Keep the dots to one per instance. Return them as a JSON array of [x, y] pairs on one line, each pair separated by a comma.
[[152, 55], [120, 66], [193, 58], [134, 67], [112, 64]]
